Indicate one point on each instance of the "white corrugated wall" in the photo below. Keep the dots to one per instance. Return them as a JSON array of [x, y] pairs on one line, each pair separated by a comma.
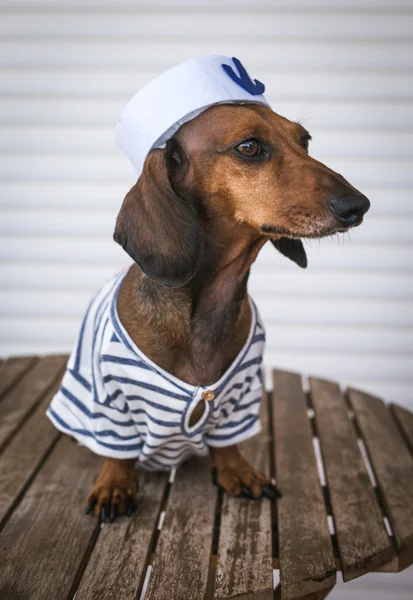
[[344, 68]]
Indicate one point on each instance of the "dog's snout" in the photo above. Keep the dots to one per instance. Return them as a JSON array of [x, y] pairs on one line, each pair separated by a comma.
[[350, 209]]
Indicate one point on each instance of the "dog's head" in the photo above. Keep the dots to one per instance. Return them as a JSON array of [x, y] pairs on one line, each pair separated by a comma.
[[246, 164]]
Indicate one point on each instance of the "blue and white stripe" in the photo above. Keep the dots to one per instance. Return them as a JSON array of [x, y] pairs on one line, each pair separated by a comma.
[[117, 402]]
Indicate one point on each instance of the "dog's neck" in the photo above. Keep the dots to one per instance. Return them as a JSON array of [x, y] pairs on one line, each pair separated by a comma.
[[219, 297], [205, 323]]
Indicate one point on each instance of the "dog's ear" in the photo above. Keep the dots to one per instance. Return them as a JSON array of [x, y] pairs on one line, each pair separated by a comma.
[[292, 249], [159, 229]]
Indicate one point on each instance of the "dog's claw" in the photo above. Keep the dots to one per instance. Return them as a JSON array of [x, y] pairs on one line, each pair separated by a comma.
[[269, 492], [246, 493], [90, 506], [113, 513], [275, 489], [102, 515]]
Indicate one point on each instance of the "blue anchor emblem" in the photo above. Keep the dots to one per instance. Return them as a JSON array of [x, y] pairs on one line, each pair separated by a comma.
[[255, 88]]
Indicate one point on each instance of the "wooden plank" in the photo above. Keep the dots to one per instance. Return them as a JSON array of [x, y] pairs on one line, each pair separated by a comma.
[[180, 567], [43, 544], [320, 595], [362, 538], [393, 467], [117, 566], [307, 562], [22, 456], [244, 567], [27, 393], [12, 370], [404, 419], [392, 566]]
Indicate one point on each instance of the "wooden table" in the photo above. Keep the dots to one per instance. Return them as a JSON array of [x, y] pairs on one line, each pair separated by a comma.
[[339, 510]]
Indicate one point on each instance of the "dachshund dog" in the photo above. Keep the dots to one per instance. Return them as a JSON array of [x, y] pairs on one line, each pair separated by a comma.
[[231, 179]]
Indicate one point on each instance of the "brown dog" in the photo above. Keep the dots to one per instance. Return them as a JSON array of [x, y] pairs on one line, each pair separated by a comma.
[[230, 180]]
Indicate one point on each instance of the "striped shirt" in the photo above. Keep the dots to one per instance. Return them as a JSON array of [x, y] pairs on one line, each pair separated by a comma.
[[120, 404]]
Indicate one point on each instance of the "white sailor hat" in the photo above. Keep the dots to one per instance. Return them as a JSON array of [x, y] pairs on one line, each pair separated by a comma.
[[157, 111]]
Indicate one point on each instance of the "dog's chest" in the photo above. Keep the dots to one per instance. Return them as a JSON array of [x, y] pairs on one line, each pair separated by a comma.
[[209, 354]]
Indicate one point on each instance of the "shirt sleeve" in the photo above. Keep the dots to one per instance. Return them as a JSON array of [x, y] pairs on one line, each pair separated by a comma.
[[240, 422], [104, 425]]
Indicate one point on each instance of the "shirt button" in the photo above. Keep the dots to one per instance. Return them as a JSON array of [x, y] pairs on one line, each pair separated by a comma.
[[208, 395]]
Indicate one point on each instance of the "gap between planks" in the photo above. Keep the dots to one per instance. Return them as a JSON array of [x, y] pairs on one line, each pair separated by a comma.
[[213, 559], [274, 520]]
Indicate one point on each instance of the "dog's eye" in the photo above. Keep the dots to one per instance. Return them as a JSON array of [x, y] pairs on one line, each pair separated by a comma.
[[250, 148]]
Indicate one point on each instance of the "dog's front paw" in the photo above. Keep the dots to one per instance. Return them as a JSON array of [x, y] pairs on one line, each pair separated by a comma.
[[114, 493], [233, 474]]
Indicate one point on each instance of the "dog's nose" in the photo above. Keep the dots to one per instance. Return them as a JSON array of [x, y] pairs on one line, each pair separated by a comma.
[[350, 209]]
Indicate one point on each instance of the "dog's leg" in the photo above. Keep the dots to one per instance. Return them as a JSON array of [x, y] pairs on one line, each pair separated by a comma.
[[114, 492], [232, 473]]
